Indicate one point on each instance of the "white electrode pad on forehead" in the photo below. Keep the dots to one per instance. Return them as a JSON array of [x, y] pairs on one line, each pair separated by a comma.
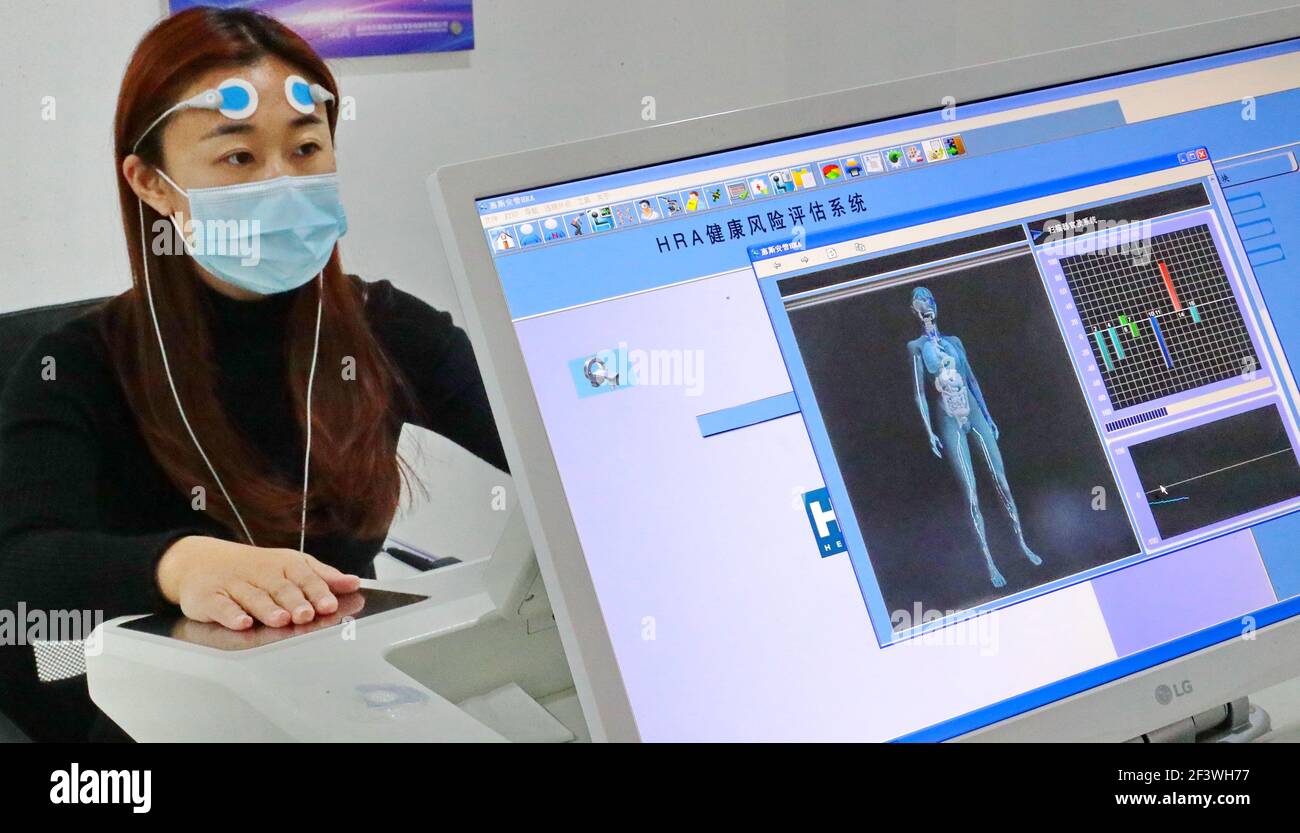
[[303, 96]]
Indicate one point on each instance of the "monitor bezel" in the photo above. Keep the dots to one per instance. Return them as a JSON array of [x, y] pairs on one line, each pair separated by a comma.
[[1117, 710]]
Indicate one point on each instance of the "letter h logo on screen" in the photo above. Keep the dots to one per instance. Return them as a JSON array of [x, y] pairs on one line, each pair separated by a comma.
[[826, 529]]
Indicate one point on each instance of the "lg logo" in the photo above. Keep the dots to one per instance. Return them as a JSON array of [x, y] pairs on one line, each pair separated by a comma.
[[1166, 694]]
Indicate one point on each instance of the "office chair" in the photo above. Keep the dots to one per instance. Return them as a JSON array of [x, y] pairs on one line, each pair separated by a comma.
[[18, 331]]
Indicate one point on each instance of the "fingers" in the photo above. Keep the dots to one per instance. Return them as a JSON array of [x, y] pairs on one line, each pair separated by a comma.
[[236, 585], [259, 604], [305, 588], [338, 581], [313, 587], [288, 595], [221, 609]]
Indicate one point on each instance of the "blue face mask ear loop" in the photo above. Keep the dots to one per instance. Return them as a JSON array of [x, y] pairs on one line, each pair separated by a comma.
[[186, 195]]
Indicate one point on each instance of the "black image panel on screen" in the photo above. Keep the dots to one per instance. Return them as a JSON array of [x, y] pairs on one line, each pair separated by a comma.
[[860, 344], [1217, 471], [1164, 322]]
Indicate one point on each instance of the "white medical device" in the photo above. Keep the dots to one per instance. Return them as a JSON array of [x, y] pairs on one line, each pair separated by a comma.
[[466, 652]]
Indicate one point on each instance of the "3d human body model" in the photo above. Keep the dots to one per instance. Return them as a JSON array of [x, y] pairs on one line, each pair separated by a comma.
[[961, 419]]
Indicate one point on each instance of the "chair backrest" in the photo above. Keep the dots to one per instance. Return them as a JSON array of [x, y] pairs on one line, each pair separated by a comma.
[[18, 330]]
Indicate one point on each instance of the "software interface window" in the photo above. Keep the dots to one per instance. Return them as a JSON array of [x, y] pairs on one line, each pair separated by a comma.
[[1003, 399], [1076, 381]]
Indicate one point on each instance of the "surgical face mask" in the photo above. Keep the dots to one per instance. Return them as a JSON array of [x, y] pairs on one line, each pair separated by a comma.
[[265, 237]]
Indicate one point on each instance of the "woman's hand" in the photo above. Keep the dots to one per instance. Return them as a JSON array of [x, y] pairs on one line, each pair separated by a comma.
[[232, 584], [215, 635]]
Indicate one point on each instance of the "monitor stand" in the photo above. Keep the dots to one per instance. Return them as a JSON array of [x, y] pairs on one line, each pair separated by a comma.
[[1235, 722]]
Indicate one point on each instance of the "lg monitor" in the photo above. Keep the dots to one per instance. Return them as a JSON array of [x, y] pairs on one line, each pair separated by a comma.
[[955, 407]]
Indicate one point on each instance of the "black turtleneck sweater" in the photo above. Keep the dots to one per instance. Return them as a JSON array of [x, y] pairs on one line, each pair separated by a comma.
[[86, 512]]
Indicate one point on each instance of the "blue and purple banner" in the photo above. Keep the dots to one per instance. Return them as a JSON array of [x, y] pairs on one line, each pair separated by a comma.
[[354, 28]]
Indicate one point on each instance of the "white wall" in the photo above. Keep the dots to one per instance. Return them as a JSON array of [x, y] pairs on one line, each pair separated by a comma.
[[542, 73]]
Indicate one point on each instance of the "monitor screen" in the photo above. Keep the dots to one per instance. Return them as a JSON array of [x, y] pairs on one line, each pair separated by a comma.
[[901, 429]]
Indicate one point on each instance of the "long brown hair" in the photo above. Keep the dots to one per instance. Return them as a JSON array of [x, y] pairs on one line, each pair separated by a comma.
[[355, 475]]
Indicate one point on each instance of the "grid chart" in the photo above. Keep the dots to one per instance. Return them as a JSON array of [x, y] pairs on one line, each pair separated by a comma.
[[1162, 324]]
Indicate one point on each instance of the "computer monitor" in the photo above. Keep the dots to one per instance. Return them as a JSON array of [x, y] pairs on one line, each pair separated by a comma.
[[832, 423]]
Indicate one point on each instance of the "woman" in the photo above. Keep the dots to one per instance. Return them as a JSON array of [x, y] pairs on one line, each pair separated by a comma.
[[220, 438]]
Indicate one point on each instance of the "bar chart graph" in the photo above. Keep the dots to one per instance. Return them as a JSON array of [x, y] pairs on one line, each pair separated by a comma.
[[1162, 319]]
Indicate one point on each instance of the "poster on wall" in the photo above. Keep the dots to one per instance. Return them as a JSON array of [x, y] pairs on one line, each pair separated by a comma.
[[355, 28]]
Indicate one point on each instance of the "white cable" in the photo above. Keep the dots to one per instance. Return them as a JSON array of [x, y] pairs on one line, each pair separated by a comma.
[[148, 288], [206, 100], [172, 109], [311, 380]]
